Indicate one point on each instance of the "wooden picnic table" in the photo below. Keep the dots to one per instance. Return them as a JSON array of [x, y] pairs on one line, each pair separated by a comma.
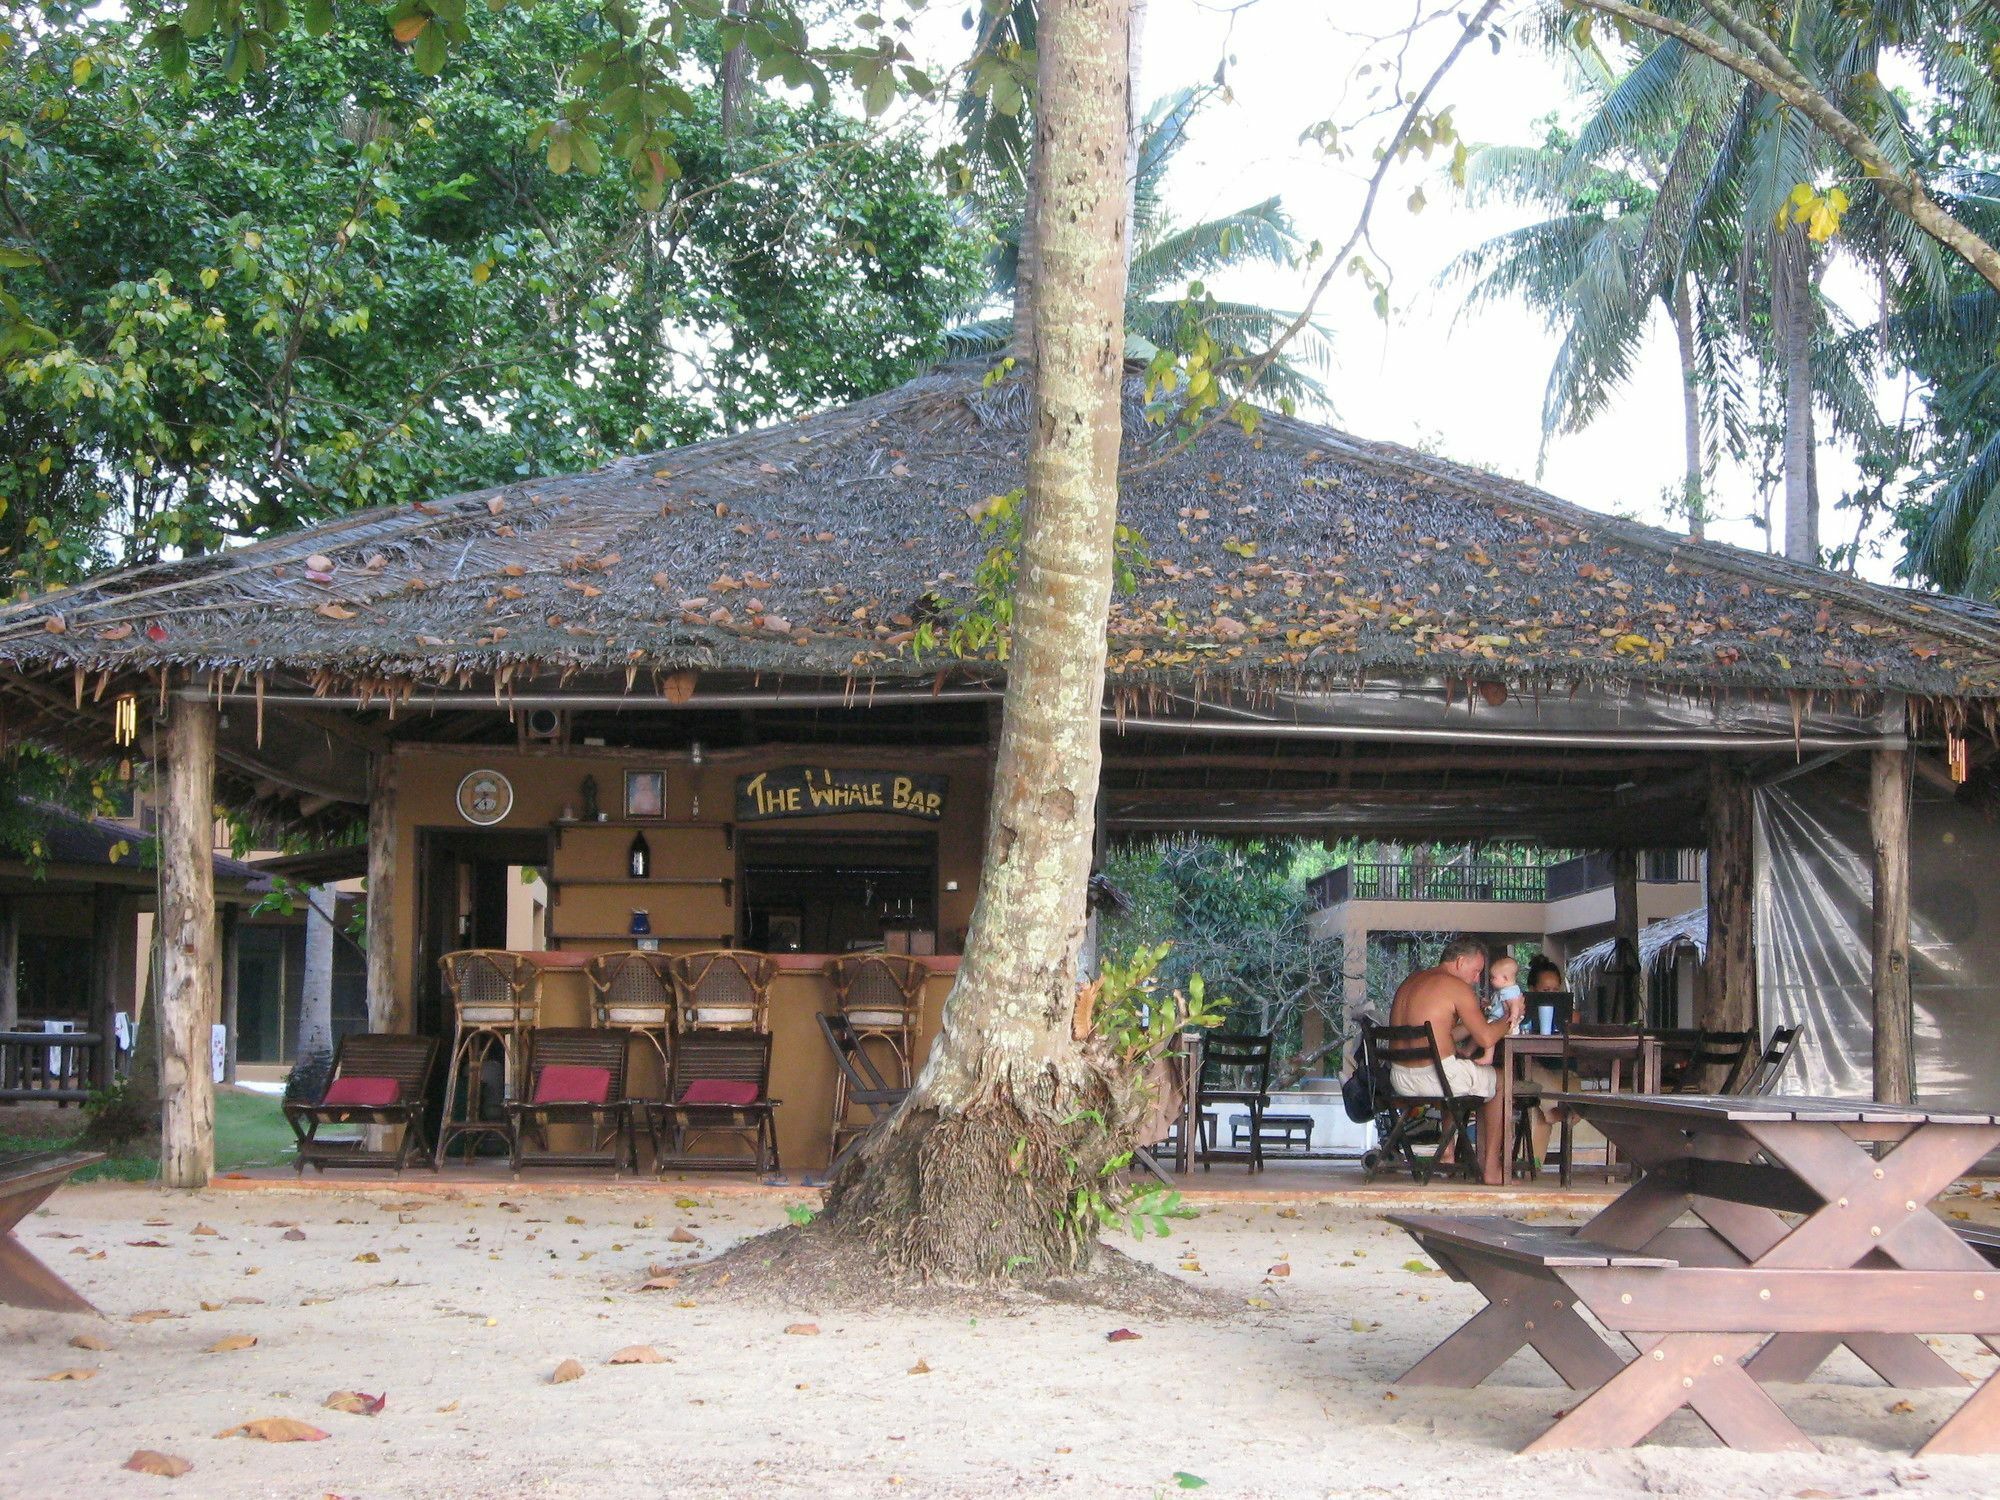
[[26, 1180], [1517, 1047], [1805, 1239]]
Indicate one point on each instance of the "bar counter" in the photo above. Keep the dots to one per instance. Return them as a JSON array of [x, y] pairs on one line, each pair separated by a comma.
[[802, 1069]]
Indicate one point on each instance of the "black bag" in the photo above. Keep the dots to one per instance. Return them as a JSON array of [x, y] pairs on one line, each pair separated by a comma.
[[1357, 1093]]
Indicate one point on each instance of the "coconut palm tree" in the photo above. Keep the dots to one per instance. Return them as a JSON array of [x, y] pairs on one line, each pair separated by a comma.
[[1172, 264], [1747, 172]]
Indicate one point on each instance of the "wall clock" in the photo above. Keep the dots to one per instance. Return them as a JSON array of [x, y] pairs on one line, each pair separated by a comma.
[[485, 797]]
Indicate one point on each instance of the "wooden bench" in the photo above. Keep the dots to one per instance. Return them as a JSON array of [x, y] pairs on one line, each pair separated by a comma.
[[26, 1180], [1527, 1305], [1982, 1237], [1286, 1132]]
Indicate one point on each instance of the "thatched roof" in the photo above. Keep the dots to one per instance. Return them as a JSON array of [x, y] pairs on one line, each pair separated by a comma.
[[1296, 556], [1659, 943]]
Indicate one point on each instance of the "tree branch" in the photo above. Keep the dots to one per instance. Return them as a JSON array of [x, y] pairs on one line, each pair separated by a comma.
[[1767, 66]]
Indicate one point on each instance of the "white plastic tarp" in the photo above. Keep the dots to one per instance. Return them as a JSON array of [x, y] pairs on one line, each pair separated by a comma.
[[1814, 914]]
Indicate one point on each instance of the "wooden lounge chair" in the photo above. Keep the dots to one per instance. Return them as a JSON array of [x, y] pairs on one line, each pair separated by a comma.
[[1769, 1069], [721, 1085], [1415, 1114], [576, 1076], [865, 1084], [378, 1079]]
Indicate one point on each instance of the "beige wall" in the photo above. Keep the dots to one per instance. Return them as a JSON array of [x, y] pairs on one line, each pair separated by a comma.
[[593, 918]]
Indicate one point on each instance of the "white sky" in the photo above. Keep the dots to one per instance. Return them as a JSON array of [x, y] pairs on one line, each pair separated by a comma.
[[1469, 388]]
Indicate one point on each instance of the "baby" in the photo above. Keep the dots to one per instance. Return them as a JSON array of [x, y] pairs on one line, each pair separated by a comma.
[[1503, 979]]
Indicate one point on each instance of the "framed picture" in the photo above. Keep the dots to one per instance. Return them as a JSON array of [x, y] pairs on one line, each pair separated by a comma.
[[645, 794]]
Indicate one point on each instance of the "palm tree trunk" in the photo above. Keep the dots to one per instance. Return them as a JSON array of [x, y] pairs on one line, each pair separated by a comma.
[[1793, 309], [1692, 501], [974, 1179]]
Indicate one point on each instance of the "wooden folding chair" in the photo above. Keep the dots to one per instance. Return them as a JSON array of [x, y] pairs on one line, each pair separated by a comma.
[[378, 1079], [576, 1076], [721, 1085], [1417, 1047], [1610, 1056], [1768, 1071], [865, 1084], [1235, 1069]]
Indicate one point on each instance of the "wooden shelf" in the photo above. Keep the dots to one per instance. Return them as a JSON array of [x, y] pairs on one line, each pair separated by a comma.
[[723, 882]]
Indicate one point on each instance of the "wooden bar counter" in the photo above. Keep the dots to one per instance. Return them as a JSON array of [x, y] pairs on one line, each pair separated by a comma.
[[802, 1070]]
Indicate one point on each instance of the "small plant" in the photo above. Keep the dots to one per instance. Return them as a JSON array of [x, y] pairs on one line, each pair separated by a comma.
[[800, 1214], [114, 1117]]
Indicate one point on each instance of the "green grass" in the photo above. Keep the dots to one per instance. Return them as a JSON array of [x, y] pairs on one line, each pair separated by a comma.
[[250, 1131]]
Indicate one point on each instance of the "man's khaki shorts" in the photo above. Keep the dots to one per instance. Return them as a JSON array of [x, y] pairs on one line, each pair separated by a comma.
[[1465, 1077]]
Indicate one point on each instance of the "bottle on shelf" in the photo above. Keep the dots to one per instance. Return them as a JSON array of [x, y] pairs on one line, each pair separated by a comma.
[[639, 861]]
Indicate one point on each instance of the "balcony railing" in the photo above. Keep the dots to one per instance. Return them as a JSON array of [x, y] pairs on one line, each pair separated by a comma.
[[1592, 872], [1397, 881], [58, 1067], [1407, 882]]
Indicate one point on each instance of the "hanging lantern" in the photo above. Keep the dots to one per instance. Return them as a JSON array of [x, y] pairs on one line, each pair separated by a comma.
[[125, 718]]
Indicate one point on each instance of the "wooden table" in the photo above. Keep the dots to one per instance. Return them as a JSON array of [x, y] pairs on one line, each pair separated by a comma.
[[1805, 1239], [1516, 1047], [26, 1180]]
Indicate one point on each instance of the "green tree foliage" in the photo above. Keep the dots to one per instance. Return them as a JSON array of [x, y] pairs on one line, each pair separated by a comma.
[[239, 299], [1168, 304]]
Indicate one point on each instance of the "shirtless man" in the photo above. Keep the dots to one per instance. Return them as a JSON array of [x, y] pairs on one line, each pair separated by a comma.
[[1444, 999]]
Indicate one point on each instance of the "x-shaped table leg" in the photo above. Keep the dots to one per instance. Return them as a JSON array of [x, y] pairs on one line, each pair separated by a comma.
[[1520, 1309], [1703, 1371]]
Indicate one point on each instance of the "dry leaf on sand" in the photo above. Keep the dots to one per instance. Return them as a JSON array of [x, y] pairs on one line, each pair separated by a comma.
[[921, 1367], [275, 1430], [682, 1237], [1121, 1335], [637, 1354], [659, 1284], [231, 1344], [565, 1372], [152, 1461], [153, 1315], [88, 1341], [806, 1328], [359, 1403], [80, 1373]]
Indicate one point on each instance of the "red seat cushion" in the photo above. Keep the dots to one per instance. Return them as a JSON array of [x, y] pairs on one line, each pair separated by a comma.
[[728, 1091], [567, 1083], [362, 1092]]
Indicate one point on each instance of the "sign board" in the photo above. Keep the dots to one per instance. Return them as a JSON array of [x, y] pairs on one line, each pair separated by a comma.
[[823, 791]]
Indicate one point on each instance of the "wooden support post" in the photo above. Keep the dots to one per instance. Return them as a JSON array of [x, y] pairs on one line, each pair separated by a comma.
[[1889, 832], [1625, 935], [107, 910], [232, 970], [1729, 989], [10, 963], [387, 1010], [190, 977]]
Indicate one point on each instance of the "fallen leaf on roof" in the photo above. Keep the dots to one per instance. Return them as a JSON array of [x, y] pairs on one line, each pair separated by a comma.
[[152, 1461], [335, 611], [494, 504], [114, 633], [275, 1430]]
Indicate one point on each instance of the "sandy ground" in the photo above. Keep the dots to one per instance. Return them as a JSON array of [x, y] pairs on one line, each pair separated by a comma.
[[460, 1310]]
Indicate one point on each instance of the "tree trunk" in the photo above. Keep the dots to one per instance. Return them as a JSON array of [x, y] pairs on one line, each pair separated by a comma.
[[385, 1012], [1631, 1000], [1794, 312], [1692, 500], [974, 1179], [312, 1057], [10, 962], [190, 975], [1729, 991], [1889, 832]]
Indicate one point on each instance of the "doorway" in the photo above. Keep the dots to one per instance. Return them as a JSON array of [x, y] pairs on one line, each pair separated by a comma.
[[468, 879]]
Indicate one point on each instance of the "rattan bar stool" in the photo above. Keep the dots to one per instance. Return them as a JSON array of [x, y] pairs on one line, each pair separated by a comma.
[[634, 992], [496, 999], [881, 995], [723, 989]]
